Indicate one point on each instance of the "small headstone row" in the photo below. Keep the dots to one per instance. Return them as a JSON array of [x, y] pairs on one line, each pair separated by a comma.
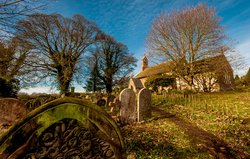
[[100, 99], [133, 104]]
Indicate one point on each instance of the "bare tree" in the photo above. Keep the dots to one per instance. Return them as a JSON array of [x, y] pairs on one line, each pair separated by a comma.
[[185, 37], [13, 10], [58, 44], [115, 62]]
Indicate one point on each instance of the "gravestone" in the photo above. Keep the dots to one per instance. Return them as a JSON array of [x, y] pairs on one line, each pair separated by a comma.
[[135, 84], [93, 98], [64, 128], [110, 99], [144, 104], [98, 95], [128, 106], [101, 102], [115, 106]]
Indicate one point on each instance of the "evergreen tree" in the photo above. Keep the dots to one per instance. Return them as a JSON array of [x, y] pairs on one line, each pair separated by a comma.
[[94, 83], [156, 81], [237, 80], [246, 78]]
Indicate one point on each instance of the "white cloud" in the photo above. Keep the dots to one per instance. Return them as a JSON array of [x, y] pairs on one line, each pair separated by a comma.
[[78, 88], [41, 89], [243, 49], [47, 90]]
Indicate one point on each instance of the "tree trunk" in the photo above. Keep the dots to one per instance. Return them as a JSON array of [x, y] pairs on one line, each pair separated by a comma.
[[109, 88], [64, 86], [63, 83], [108, 85]]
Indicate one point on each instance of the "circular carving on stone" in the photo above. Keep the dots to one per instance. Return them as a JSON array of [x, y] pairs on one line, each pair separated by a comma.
[[68, 139]]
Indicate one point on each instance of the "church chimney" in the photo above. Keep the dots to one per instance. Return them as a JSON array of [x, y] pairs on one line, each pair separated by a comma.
[[144, 63]]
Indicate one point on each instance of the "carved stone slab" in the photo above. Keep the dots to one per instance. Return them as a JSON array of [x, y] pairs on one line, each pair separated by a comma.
[[128, 106], [64, 128], [144, 104]]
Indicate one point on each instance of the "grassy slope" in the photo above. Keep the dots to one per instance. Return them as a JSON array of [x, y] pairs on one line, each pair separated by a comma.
[[160, 139], [223, 114]]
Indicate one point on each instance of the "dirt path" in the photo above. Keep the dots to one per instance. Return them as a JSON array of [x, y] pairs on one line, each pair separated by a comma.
[[211, 143]]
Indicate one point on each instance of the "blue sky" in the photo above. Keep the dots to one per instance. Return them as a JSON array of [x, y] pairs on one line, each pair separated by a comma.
[[129, 21]]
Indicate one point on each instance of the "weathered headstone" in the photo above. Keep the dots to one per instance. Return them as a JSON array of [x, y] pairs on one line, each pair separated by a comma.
[[110, 99], [99, 95], [135, 84], [101, 102], [128, 106], [115, 106], [94, 98], [56, 132], [87, 97], [144, 104]]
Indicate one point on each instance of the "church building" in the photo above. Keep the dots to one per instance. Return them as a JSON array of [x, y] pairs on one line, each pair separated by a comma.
[[217, 73]]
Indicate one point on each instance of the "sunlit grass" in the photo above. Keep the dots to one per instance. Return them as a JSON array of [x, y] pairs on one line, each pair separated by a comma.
[[222, 114], [160, 139]]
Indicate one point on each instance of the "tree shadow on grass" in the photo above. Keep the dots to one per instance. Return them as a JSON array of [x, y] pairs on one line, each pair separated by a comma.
[[152, 140], [207, 141], [161, 150]]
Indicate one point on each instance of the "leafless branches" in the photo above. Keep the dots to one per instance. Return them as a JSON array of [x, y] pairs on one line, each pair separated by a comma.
[[114, 61], [13, 10], [185, 37], [58, 43]]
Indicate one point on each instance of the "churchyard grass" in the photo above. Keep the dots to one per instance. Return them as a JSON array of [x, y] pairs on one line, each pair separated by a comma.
[[224, 114], [160, 139]]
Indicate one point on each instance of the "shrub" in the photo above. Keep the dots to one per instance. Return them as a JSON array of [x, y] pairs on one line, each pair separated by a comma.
[[156, 81], [9, 87]]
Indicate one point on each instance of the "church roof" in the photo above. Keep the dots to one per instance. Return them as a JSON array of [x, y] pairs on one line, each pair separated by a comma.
[[216, 61], [155, 70]]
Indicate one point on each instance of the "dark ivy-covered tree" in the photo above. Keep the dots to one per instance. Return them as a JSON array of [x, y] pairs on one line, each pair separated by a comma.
[[9, 87], [237, 80], [58, 44], [12, 59], [13, 67], [246, 78], [115, 62], [157, 81]]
